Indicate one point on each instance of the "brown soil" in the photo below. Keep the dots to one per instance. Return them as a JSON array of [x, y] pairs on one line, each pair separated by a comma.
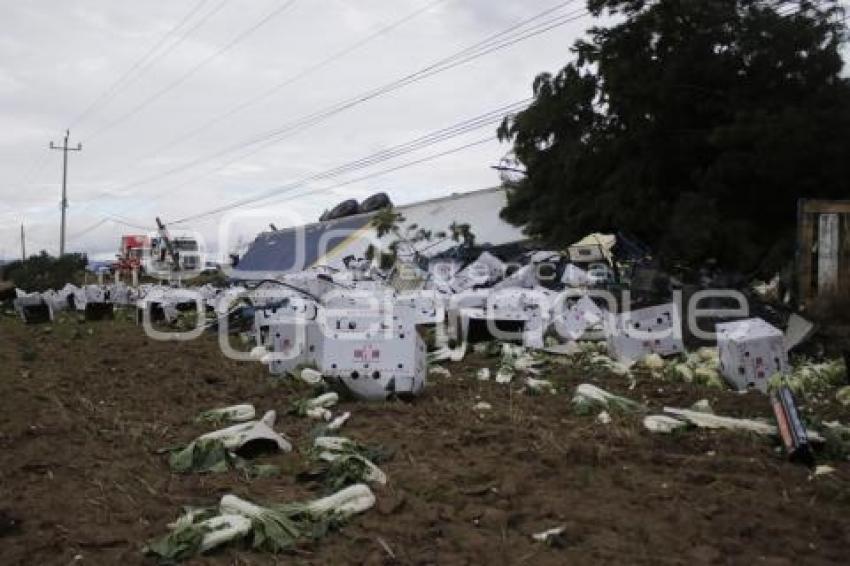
[[85, 407]]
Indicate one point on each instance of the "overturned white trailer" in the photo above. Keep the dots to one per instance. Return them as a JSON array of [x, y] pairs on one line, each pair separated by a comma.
[[328, 243]]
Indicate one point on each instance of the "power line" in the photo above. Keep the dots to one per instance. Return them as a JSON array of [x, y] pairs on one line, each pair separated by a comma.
[[539, 27], [368, 161], [462, 57], [119, 220], [143, 63], [91, 228], [405, 165], [186, 34], [392, 169], [244, 34], [107, 218], [493, 43], [236, 109], [298, 126], [421, 142]]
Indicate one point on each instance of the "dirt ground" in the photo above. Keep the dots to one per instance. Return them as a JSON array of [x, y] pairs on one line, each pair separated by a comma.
[[85, 407]]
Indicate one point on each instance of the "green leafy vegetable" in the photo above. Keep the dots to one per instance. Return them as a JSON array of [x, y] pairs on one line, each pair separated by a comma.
[[209, 455]]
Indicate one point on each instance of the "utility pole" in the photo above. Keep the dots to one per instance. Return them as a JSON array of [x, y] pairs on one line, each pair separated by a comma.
[[65, 149], [23, 244]]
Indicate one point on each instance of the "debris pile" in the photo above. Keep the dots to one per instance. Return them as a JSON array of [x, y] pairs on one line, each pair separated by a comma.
[[352, 332]]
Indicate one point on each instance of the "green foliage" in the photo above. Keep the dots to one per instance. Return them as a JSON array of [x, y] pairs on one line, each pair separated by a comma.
[[811, 380], [837, 441], [388, 221], [461, 233], [695, 126], [299, 407], [206, 455], [351, 465], [188, 320], [492, 349], [279, 527], [211, 456], [276, 529], [347, 469], [42, 272], [185, 537], [589, 399]]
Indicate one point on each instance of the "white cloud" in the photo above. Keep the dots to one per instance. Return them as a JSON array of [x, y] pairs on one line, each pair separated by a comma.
[[56, 58]]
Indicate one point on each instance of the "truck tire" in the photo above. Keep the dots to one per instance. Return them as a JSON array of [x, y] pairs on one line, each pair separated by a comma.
[[345, 208], [376, 202]]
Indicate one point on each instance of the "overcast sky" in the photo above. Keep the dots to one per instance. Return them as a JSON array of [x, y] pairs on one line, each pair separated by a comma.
[[140, 158], [57, 58]]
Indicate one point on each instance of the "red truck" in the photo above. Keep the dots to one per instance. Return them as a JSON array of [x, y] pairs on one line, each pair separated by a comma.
[[132, 253]]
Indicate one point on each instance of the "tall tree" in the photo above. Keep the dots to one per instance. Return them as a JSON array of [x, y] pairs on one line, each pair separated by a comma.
[[693, 124]]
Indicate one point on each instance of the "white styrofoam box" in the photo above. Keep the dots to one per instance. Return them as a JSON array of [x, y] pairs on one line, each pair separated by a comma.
[[516, 304], [428, 306], [120, 294], [531, 307], [584, 314], [588, 310], [317, 280], [227, 299], [440, 274], [483, 271], [96, 294], [525, 277], [289, 311], [272, 295], [349, 298], [374, 352], [377, 369], [32, 308], [574, 276], [293, 343], [652, 330], [751, 352], [169, 299], [55, 300], [468, 299], [370, 318], [457, 306]]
